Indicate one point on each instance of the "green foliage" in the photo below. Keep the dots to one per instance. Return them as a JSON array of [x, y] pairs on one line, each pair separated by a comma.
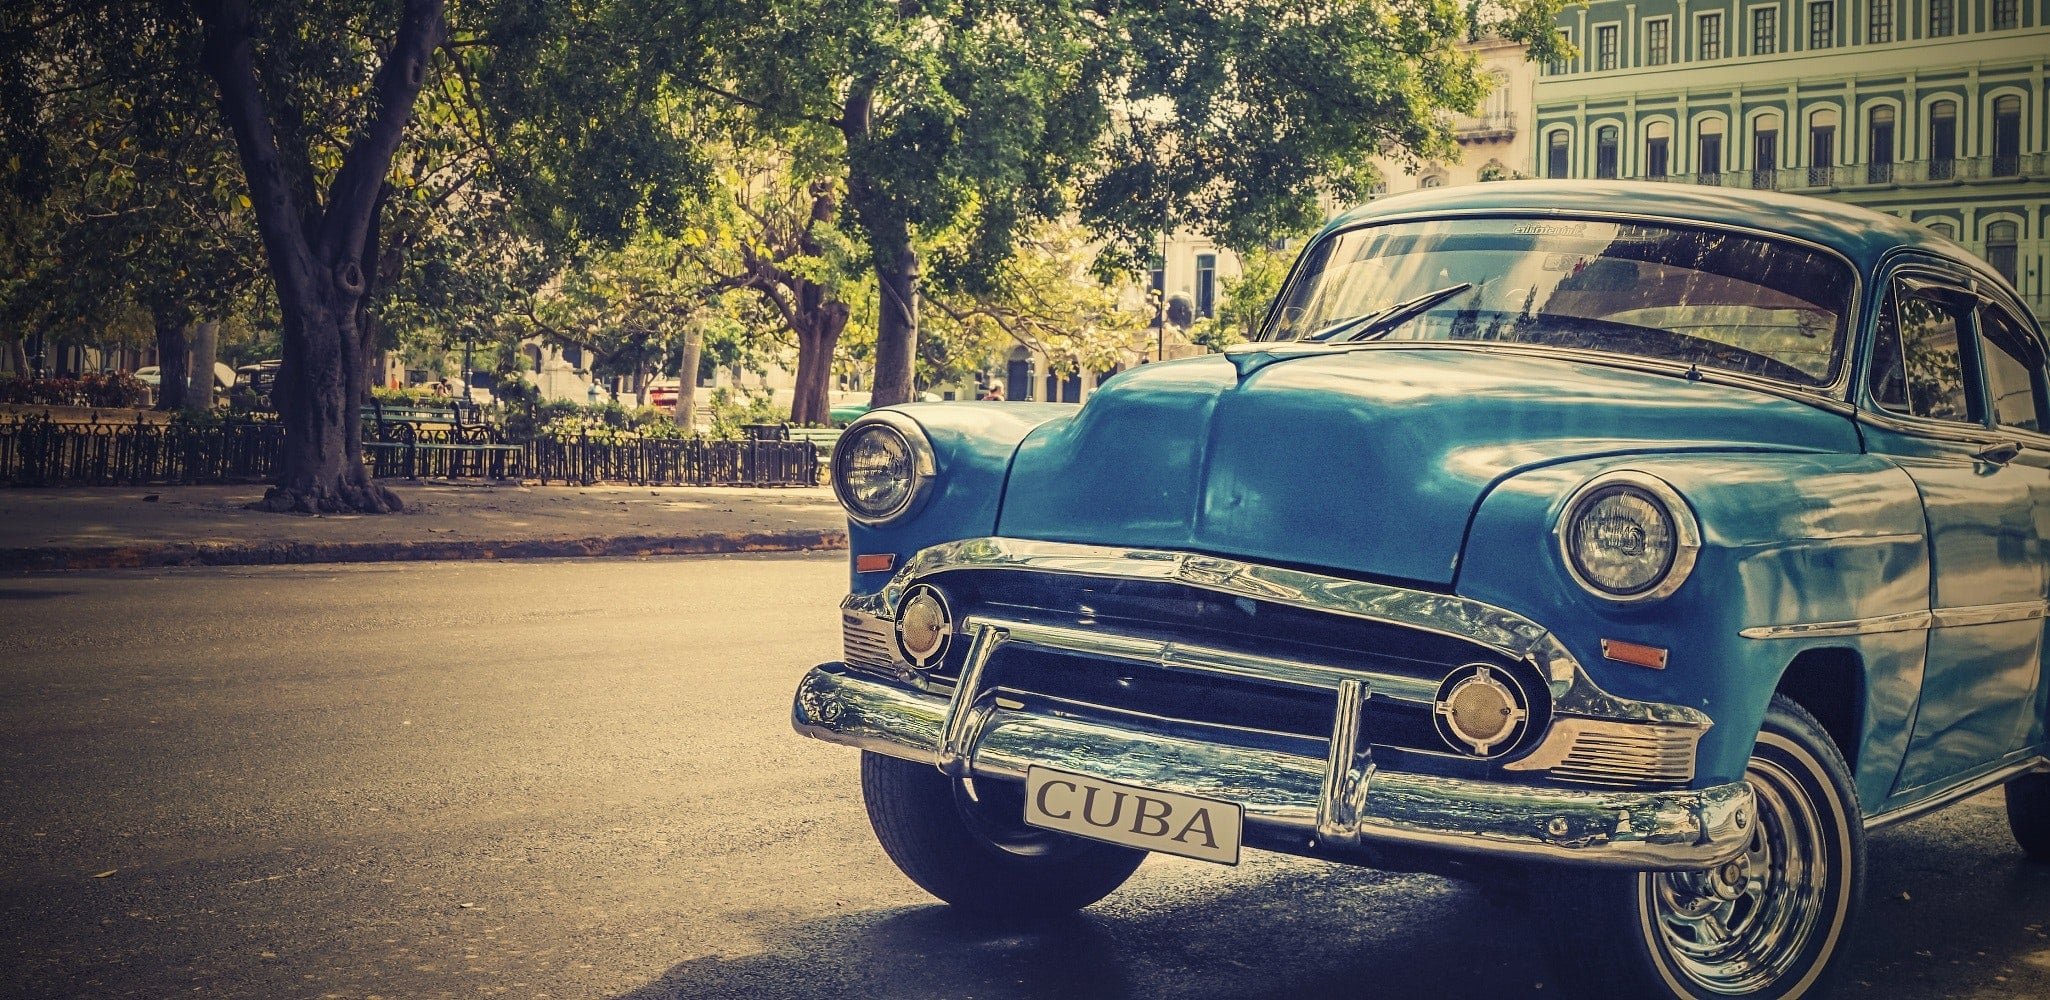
[[1246, 298], [1044, 299], [733, 410]]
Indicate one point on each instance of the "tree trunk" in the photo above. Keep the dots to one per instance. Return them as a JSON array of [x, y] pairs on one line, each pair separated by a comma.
[[170, 322], [199, 391], [17, 357], [897, 319], [687, 379], [820, 321], [316, 251]]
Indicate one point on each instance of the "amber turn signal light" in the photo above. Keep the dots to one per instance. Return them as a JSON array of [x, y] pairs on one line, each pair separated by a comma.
[[1634, 653]]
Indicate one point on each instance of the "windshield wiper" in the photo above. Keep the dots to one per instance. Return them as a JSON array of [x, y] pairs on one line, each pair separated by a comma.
[[1377, 324]]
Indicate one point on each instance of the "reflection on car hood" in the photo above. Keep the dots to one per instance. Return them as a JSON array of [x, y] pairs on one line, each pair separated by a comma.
[[1370, 461]]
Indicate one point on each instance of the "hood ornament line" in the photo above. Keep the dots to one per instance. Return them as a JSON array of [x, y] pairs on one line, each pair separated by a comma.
[[1249, 358]]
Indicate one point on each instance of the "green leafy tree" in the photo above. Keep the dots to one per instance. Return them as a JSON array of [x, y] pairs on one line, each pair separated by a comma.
[[987, 116], [1246, 298], [136, 209]]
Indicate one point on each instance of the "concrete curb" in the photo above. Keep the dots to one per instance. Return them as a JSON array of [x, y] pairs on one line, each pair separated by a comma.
[[149, 555]]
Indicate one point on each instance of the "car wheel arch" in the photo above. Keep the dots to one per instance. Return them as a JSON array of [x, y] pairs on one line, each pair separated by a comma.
[[1829, 682]]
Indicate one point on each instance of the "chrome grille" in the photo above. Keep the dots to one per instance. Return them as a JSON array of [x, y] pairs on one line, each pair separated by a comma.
[[1612, 754], [869, 642]]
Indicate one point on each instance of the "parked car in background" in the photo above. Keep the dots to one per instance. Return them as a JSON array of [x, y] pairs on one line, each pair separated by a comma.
[[1643, 544], [259, 378], [152, 375], [846, 413], [662, 393]]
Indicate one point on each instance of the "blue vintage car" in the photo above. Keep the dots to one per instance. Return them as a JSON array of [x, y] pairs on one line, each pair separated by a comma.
[[1652, 542]]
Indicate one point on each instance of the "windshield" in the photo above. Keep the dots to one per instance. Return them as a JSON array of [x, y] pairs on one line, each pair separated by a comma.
[[1674, 293]]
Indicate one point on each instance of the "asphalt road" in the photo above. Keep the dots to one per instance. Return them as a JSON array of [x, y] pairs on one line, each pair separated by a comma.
[[577, 779]]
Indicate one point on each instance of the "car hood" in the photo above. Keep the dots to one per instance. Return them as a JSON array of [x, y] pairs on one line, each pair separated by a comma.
[[1369, 462]]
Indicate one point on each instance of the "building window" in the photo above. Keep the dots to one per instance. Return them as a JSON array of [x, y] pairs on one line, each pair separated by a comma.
[[1879, 151], [1879, 22], [1942, 18], [1709, 158], [1943, 229], [1562, 64], [1206, 284], [1765, 31], [1658, 150], [2000, 241], [1605, 140], [1658, 41], [1821, 24], [2007, 136], [1822, 148], [1708, 36], [1605, 47], [2005, 15], [1942, 140], [1557, 163], [1765, 153], [1657, 158]]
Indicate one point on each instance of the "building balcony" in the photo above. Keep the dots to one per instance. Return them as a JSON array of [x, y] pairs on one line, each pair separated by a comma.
[[1485, 128]]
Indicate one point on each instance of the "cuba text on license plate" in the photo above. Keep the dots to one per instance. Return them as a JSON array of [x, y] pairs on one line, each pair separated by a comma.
[[1171, 823]]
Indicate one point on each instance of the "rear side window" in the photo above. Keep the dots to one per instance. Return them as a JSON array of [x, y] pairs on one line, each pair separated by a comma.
[[1916, 368], [2014, 370]]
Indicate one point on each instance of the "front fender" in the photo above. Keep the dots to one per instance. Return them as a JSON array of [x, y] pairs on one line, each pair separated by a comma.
[[972, 445], [1786, 538]]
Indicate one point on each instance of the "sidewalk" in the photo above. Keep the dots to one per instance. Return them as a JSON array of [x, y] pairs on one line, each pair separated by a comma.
[[118, 528]]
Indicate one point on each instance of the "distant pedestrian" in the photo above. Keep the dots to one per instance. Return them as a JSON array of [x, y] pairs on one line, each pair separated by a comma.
[[994, 395]]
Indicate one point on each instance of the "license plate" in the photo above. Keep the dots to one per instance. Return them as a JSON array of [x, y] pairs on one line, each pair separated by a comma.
[[1153, 820]]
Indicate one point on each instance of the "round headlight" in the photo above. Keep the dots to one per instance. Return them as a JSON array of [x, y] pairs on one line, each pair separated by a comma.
[[882, 467], [1627, 536]]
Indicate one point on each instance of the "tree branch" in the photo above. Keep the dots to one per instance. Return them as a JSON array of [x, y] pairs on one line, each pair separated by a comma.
[[353, 195]]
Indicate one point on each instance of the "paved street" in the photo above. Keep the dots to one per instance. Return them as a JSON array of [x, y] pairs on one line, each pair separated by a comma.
[[577, 779]]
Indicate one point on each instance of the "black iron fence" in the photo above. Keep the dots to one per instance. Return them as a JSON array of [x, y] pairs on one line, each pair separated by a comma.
[[40, 452], [683, 462]]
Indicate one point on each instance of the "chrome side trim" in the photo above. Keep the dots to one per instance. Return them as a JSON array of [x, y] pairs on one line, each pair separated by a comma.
[[1448, 615], [1283, 793], [1906, 621], [1203, 659], [1990, 614], [1997, 776]]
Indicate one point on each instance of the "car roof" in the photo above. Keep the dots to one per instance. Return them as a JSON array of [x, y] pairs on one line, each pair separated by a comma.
[[1858, 233]]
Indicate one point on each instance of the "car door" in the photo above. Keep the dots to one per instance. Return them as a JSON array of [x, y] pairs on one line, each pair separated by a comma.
[[1963, 415]]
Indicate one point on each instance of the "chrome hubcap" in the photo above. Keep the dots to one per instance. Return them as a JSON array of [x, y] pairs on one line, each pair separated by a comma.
[[1740, 927]]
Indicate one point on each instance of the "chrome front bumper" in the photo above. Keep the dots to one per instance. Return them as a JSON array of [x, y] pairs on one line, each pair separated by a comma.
[[1324, 807]]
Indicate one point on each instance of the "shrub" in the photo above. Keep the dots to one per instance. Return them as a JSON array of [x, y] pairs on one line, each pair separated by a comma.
[[732, 412]]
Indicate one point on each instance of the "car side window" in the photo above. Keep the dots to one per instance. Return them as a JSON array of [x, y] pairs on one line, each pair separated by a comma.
[[1929, 380], [2014, 370]]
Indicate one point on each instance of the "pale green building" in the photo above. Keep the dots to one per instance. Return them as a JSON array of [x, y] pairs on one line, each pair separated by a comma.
[[1932, 110]]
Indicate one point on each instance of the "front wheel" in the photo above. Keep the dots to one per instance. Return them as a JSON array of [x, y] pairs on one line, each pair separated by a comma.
[[1771, 923], [2028, 814], [966, 841]]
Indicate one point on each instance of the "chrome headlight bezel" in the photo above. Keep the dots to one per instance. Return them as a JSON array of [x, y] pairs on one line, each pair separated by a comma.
[[916, 444], [1686, 532]]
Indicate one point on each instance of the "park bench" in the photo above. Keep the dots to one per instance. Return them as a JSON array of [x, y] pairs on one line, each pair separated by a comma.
[[465, 448]]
